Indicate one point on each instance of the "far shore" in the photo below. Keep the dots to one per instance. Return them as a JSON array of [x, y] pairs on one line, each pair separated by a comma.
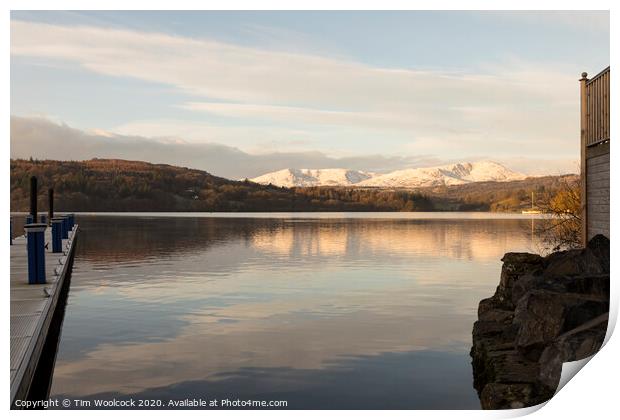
[[322, 215]]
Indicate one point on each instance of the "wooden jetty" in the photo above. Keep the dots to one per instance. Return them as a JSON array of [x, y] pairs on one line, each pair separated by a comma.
[[33, 306]]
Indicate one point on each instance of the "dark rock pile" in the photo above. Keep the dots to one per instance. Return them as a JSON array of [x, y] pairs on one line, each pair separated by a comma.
[[545, 311]]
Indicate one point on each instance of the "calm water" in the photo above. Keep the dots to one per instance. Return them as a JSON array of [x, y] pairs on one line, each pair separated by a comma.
[[366, 311]]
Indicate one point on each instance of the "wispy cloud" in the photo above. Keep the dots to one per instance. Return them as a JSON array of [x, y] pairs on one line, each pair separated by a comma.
[[305, 115]]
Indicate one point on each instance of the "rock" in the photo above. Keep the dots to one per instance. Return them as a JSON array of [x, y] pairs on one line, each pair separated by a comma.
[[509, 366], [495, 328], [487, 305], [579, 310], [497, 315], [598, 246], [515, 265], [517, 259], [540, 316], [576, 344], [488, 337], [564, 263], [594, 259], [596, 285], [496, 396], [543, 315], [525, 283]]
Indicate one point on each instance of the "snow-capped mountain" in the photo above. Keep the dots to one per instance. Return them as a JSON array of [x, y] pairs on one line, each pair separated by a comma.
[[314, 177], [455, 174]]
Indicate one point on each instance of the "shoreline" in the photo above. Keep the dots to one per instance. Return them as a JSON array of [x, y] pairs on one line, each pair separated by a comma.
[[435, 215]]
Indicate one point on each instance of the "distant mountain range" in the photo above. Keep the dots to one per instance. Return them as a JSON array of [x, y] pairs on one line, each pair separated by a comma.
[[314, 177], [454, 174]]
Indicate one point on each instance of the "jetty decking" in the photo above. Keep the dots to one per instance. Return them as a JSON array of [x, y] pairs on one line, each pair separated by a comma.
[[33, 307]]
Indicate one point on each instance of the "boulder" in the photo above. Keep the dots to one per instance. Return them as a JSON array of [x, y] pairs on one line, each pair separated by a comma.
[[564, 263], [576, 344], [509, 366], [590, 285], [596, 285], [497, 315], [496, 396], [598, 252], [543, 315], [594, 259], [487, 305], [526, 283], [539, 316], [581, 309], [515, 265]]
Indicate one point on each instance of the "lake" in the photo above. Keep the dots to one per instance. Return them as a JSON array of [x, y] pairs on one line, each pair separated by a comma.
[[349, 311]]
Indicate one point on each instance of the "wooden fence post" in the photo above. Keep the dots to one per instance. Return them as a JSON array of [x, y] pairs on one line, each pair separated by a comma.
[[584, 158]]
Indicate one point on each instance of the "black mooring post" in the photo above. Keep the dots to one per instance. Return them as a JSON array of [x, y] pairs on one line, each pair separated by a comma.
[[33, 198], [50, 213]]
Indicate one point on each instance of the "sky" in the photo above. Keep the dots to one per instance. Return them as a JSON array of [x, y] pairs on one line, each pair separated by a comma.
[[239, 94]]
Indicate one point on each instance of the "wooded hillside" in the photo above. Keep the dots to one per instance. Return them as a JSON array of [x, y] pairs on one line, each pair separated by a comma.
[[120, 185]]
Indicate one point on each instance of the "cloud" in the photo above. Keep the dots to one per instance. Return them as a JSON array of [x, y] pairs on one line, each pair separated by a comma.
[[513, 107], [41, 138], [591, 20], [303, 115]]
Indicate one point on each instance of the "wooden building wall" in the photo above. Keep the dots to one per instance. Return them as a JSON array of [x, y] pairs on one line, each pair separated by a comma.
[[597, 189], [595, 154]]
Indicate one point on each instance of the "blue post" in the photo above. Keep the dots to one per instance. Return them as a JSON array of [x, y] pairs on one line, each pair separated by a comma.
[[65, 227], [36, 252], [57, 234]]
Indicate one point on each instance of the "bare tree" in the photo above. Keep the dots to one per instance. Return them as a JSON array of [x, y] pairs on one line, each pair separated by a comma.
[[562, 229]]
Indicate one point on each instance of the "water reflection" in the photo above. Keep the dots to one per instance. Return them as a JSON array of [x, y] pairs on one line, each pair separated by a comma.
[[178, 306], [384, 381]]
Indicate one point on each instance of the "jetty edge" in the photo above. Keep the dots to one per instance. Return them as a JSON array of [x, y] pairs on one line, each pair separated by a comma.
[[34, 303]]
